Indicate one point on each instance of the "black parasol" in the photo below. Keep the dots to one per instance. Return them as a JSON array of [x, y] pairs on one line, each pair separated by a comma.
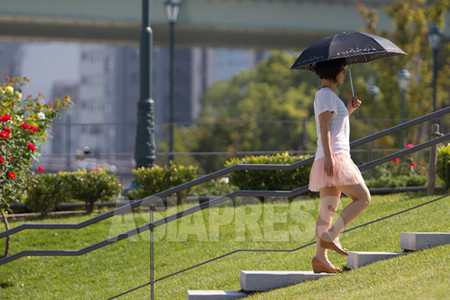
[[356, 47]]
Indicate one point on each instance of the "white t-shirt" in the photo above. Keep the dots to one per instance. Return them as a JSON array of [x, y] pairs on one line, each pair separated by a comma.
[[327, 100]]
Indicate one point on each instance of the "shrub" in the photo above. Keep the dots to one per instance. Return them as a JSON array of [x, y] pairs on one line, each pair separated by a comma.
[[269, 180], [44, 193], [90, 187], [157, 179], [215, 187], [23, 129], [416, 180], [443, 164], [397, 173], [397, 181]]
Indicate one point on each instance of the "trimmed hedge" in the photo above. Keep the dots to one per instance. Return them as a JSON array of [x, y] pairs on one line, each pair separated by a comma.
[[90, 187], [215, 187], [270, 180], [157, 179], [44, 193], [397, 181], [443, 164], [48, 190]]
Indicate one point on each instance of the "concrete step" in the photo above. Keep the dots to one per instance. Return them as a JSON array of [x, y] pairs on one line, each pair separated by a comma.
[[259, 281], [214, 295], [356, 260], [413, 241]]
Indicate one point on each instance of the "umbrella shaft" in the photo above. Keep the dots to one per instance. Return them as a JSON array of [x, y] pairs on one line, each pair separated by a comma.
[[351, 80]]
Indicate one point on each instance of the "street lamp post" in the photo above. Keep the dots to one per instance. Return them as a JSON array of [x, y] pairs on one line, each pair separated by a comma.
[[375, 92], [172, 11], [434, 38], [145, 148], [404, 79]]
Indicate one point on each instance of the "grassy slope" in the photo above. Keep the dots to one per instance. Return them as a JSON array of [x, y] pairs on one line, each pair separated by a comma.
[[420, 275], [125, 265]]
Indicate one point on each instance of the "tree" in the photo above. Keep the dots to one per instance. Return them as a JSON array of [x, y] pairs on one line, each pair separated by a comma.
[[237, 115], [411, 24]]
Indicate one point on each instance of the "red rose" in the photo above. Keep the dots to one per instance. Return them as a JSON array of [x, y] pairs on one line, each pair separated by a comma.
[[40, 168], [2, 160], [6, 129], [5, 118], [25, 126], [31, 146], [409, 146], [396, 159], [412, 164], [33, 128], [4, 135], [12, 175]]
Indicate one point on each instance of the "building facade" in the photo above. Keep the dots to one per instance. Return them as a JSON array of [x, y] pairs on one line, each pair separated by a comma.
[[104, 88]]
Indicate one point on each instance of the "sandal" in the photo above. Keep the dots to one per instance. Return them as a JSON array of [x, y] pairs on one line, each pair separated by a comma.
[[319, 267], [327, 243]]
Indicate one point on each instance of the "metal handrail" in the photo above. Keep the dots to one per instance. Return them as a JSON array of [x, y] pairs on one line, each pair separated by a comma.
[[152, 199], [205, 205], [401, 126]]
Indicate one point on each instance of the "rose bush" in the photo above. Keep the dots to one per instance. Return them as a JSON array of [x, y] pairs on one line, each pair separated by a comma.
[[23, 129], [397, 173]]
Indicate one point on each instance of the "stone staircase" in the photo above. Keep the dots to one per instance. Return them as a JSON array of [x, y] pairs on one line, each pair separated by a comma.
[[262, 281]]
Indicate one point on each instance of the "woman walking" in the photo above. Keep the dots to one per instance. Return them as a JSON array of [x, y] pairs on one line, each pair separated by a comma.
[[333, 172]]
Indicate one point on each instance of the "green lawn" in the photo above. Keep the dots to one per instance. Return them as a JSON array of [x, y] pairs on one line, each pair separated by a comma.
[[420, 275], [125, 265]]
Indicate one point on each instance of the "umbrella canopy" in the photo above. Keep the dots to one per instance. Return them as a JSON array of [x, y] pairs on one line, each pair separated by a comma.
[[356, 47]]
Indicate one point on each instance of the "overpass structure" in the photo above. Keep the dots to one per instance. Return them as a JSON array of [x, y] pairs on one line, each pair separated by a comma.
[[256, 24]]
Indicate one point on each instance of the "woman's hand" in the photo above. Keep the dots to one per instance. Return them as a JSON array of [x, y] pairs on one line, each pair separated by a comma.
[[329, 165], [353, 104]]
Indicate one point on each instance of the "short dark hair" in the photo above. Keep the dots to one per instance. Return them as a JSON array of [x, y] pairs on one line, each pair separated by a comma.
[[329, 69]]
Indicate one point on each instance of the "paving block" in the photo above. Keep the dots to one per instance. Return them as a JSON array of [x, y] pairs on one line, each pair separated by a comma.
[[259, 281], [356, 260], [413, 241], [214, 295]]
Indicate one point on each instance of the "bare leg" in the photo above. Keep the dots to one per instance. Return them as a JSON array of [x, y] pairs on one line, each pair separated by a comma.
[[329, 200], [360, 200]]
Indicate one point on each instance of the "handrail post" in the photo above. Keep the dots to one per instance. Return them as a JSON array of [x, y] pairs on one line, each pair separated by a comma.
[[8, 238], [152, 256], [433, 160]]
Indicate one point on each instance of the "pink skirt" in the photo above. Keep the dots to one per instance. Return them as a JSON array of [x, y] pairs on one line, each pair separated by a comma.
[[345, 173]]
